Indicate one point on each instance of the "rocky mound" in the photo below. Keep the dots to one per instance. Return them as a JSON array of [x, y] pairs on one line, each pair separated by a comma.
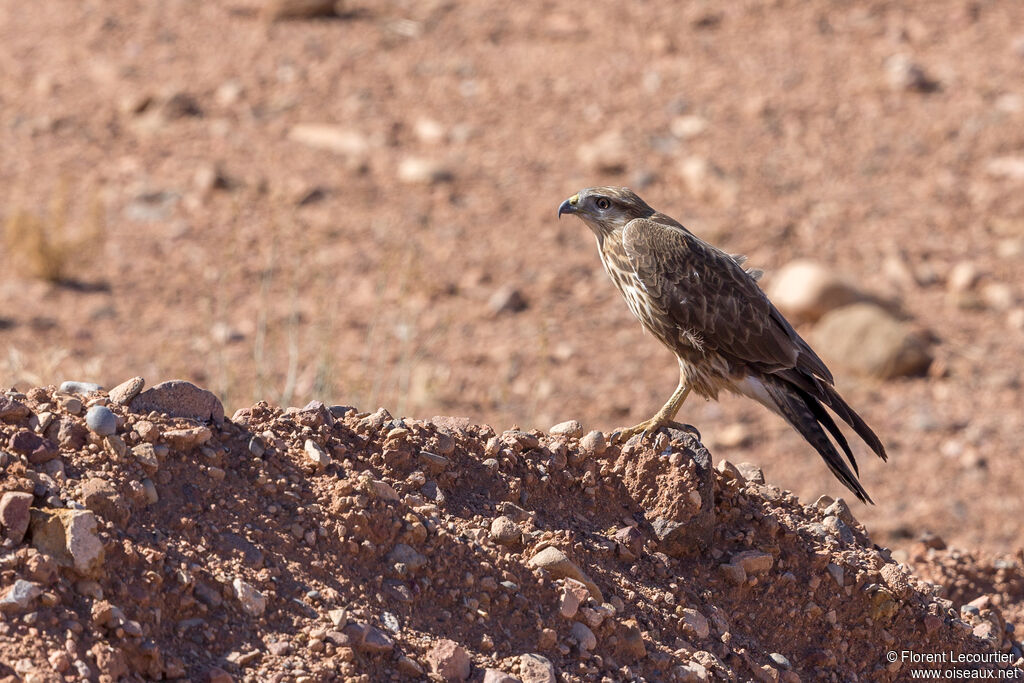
[[323, 543]]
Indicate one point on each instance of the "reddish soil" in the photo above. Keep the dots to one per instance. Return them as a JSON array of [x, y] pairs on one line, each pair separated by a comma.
[[318, 544], [237, 255]]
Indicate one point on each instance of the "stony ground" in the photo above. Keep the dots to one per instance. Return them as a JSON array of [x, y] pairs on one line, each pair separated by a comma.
[[361, 209], [327, 544]]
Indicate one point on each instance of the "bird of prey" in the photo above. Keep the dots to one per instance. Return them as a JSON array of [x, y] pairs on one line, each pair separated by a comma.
[[702, 304]]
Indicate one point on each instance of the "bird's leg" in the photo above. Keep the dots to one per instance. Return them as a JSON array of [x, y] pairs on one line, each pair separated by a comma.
[[662, 418]]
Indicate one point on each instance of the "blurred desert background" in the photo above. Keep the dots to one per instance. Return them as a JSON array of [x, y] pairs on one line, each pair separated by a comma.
[[360, 209]]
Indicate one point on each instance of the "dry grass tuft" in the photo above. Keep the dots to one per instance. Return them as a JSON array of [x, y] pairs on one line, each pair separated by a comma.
[[46, 247]]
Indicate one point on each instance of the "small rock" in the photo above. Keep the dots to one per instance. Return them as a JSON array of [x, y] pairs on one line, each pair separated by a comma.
[[870, 341], [252, 600], [376, 641], [583, 636], [751, 472], [383, 490], [694, 624], [73, 405], [283, 10], [780, 659], [754, 561], [100, 496], [420, 171], [733, 573], [70, 536], [688, 126], [448, 660], [507, 299], [805, 290], [408, 556], [317, 455], [178, 398], [81, 388], [560, 566], [218, 675], [630, 541], [570, 428], [902, 73], [962, 277], [409, 666], [14, 515], [504, 531], [497, 676], [187, 439], [12, 411], [1007, 168], [38, 449], [20, 596], [574, 594], [607, 153], [707, 181], [429, 131], [126, 391], [535, 668], [593, 443]]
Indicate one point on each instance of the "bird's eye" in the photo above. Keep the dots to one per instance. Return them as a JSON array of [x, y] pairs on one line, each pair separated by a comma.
[[603, 203]]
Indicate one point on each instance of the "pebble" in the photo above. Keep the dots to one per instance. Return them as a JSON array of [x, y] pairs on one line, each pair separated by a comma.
[[607, 153], [498, 676], [570, 428], [252, 600], [504, 531], [870, 341], [754, 561], [187, 439], [317, 455], [535, 668], [13, 411], [694, 624], [574, 593], [781, 660], [351, 145], [448, 660], [420, 171], [507, 299], [733, 573], [560, 566], [593, 443], [72, 387], [407, 555], [583, 636], [20, 596], [902, 73], [14, 515], [376, 641], [126, 391], [751, 472], [178, 398]]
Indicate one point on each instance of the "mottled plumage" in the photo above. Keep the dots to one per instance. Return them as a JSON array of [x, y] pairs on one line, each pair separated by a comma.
[[701, 303]]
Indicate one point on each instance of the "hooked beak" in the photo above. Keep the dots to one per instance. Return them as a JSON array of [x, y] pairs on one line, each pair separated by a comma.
[[569, 205]]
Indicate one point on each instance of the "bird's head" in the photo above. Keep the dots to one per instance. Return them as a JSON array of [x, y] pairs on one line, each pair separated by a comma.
[[606, 209]]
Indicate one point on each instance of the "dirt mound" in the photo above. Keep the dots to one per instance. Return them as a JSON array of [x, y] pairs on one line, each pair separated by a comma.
[[322, 543]]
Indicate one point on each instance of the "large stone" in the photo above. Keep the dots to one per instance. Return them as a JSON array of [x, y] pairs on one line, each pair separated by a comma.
[[14, 514], [179, 398], [805, 290], [69, 536], [870, 341], [448, 660], [677, 497]]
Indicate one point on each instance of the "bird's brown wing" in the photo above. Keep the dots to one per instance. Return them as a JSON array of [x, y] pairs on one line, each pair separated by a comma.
[[707, 294]]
